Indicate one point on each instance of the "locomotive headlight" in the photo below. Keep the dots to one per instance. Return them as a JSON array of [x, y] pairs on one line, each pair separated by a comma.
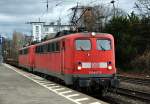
[[79, 67], [109, 67], [93, 33]]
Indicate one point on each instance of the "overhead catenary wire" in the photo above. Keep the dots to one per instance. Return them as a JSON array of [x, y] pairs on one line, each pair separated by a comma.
[[44, 13], [60, 2]]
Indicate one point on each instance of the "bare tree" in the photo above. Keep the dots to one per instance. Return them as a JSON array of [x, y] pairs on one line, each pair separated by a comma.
[[103, 14], [143, 7], [93, 18], [18, 42]]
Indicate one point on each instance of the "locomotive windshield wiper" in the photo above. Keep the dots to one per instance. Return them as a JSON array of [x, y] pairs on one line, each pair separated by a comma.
[[82, 48], [103, 49]]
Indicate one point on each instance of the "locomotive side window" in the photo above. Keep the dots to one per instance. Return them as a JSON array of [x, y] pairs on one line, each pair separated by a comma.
[[63, 45], [38, 49], [57, 46], [103, 44], [41, 49], [50, 47], [83, 45], [24, 51], [44, 48], [20, 52], [53, 47]]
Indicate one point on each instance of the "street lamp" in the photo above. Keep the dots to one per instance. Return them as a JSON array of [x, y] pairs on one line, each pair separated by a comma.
[[113, 2]]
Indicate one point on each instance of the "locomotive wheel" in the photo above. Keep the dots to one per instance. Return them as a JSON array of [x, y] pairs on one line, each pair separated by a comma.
[[31, 70], [76, 85], [104, 92]]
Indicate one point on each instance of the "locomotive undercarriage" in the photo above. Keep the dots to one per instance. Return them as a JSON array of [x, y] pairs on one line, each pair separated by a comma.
[[94, 84]]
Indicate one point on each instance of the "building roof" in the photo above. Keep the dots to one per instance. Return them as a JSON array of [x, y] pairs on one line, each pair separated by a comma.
[[57, 25], [34, 22]]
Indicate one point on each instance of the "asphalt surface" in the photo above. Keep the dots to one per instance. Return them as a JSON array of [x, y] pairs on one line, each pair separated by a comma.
[[16, 89]]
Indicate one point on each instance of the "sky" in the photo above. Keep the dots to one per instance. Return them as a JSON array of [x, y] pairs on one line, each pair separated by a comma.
[[14, 14]]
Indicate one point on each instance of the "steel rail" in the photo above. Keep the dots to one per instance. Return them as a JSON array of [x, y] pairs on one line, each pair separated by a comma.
[[144, 96], [141, 81]]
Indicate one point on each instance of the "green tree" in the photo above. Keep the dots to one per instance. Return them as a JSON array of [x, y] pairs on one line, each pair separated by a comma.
[[126, 32]]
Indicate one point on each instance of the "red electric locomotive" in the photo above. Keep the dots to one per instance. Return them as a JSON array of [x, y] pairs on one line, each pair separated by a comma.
[[81, 59], [26, 57]]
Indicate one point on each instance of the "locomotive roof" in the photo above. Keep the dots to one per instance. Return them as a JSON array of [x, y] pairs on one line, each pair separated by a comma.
[[73, 35], [26, 47]]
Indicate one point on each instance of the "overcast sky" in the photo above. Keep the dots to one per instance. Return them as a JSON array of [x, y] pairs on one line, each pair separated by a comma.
[[15, 13]]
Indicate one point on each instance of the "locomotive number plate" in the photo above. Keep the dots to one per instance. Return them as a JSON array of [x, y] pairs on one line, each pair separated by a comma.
[[103, 65], [86, 65], [95, 65]]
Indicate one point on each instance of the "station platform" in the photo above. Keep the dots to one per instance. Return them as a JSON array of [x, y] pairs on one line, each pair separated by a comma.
[[16, 87]]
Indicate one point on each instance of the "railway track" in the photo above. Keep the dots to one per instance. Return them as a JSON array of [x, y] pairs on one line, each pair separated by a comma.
[[140, 81], [143, 96], [137, 95]]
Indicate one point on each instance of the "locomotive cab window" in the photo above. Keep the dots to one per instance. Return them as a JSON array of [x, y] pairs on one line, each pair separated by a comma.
[[83, 45], [103, 44], [25, 51]]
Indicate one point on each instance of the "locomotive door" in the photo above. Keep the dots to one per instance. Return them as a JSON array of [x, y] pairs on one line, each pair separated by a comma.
[[62, 56]]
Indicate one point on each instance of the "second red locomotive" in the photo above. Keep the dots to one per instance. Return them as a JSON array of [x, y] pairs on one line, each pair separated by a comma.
[[81, 59]]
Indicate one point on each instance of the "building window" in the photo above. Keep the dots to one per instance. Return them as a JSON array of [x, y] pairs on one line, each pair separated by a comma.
[[46, 29], [37, 29]]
